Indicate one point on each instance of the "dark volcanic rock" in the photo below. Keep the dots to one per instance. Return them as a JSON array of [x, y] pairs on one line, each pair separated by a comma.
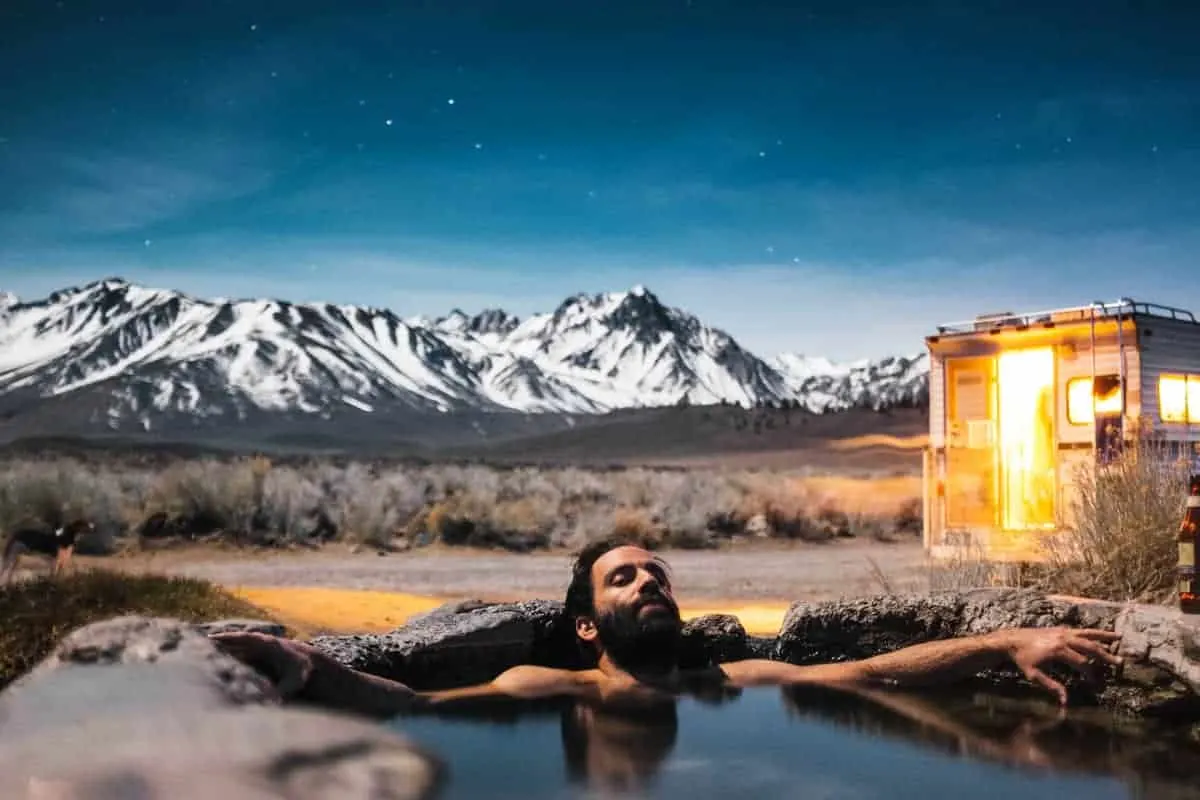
[[712, 639], [1161, 676], [851, 629], [461, 643], [864, 627], [238, 625]]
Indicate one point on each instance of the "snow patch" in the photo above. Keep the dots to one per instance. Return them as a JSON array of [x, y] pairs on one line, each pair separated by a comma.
[[354, 402]]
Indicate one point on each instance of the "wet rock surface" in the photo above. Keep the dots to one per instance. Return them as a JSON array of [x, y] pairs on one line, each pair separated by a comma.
[[138, 707]]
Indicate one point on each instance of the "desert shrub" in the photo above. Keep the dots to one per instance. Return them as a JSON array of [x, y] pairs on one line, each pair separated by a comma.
[[635, 525], [1125, 517], [909, 519], [254, 501], [36, 614], [363, 510], [207, 495], [53, 493], [292, 502]]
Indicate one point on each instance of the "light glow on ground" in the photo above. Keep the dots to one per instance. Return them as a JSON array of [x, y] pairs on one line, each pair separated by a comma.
[[312, 610]]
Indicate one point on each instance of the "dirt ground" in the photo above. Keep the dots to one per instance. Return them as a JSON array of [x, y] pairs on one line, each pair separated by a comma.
[[768, 572], [337, 590]]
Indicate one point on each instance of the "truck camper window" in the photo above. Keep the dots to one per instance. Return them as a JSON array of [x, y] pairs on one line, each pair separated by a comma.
[[1079, 398]]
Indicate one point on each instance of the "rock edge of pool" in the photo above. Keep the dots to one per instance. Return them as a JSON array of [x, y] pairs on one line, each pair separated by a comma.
[[147, 707]]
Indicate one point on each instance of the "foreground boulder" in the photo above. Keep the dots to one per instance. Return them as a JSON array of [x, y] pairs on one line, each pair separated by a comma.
[[149, 708], [473, 641]]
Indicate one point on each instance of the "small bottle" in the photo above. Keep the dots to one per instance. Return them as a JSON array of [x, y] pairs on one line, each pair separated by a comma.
[[1189, 587]]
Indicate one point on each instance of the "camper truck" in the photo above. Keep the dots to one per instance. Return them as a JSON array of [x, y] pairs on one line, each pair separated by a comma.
[[1018, 403]]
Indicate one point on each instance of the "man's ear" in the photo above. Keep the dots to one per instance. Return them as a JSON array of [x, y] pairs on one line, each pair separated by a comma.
[[585, 629]]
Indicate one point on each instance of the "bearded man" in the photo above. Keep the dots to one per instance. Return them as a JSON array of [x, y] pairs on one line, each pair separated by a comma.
[[621, 602]]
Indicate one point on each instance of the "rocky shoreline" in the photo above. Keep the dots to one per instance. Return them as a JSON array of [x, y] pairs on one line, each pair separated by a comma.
[[1161, 678], [140, 707]]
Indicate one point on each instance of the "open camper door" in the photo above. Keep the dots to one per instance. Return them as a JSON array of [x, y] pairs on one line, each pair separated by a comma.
[[970, 475], [1001, 472]]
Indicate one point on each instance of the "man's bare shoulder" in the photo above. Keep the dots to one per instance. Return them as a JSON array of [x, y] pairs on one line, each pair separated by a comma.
[[526, 682]]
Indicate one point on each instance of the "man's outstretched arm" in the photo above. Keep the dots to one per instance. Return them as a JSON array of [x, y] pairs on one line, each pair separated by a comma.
[[301, 671], [936, 661]]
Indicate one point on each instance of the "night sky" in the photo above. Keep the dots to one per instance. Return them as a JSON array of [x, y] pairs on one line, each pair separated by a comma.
[[832, 177]]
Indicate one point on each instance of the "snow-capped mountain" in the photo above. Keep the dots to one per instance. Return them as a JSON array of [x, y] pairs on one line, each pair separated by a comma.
[[824, 385], [150, 354]]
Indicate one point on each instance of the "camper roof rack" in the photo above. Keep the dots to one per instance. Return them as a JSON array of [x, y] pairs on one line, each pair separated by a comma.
[[1099, 309]]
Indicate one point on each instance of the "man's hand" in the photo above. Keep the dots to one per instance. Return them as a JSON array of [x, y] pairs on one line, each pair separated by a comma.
[[288, 663], [301, 671], [1083, 649]]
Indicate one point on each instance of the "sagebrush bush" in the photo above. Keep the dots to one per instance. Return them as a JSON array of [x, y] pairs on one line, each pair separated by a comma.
[[253, 501], [1125, 516]]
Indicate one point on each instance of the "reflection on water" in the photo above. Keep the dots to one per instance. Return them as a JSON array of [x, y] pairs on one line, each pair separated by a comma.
[[810, 742]]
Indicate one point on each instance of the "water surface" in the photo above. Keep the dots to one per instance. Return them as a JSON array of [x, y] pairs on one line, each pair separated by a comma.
[[814, 743]]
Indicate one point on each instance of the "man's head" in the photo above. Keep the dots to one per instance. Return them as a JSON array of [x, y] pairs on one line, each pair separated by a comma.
[[621, 604]]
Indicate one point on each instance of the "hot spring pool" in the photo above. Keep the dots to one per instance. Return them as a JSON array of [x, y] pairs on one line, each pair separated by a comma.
[[813, 744]]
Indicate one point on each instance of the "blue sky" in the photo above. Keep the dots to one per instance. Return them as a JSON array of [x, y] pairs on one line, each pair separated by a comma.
[[827, 177]]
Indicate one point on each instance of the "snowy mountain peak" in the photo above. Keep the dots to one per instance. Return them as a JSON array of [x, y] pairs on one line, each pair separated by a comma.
[[490, 320], [161, 355]]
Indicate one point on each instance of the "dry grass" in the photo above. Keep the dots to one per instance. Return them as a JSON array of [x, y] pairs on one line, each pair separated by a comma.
[[968, 568], [36, 614], [250, 501], [1126, 515]]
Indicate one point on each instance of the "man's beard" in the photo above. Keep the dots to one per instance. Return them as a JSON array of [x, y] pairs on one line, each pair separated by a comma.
[[647, 642]]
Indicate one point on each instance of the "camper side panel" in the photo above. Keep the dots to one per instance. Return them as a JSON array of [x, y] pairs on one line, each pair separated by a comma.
[[1168, 347], [937, 401]]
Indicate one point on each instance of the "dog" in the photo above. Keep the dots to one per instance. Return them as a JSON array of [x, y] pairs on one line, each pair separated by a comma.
[[60, 544]]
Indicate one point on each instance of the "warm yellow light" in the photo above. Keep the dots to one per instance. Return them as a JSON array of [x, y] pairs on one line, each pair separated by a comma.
[[1025, 385], [1193, 398], [1079, 399], [1173, 398]]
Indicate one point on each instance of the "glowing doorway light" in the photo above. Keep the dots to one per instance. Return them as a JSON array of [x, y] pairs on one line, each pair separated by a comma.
[[1025, 385]]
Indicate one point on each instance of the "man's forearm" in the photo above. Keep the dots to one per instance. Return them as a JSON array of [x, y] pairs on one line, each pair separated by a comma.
[[910, 666], [340, 687], [938, 660]]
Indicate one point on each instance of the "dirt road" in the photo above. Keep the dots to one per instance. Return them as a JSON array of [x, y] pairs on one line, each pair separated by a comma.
[[768, 572]]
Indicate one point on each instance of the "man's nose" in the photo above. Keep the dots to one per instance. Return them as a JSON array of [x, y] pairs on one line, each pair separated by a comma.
[[647, 581]]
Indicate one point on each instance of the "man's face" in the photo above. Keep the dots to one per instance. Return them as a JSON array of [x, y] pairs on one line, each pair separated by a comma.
[[637, 619]]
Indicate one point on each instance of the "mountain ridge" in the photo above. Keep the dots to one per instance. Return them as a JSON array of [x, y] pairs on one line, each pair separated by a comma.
[[128, 357]]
